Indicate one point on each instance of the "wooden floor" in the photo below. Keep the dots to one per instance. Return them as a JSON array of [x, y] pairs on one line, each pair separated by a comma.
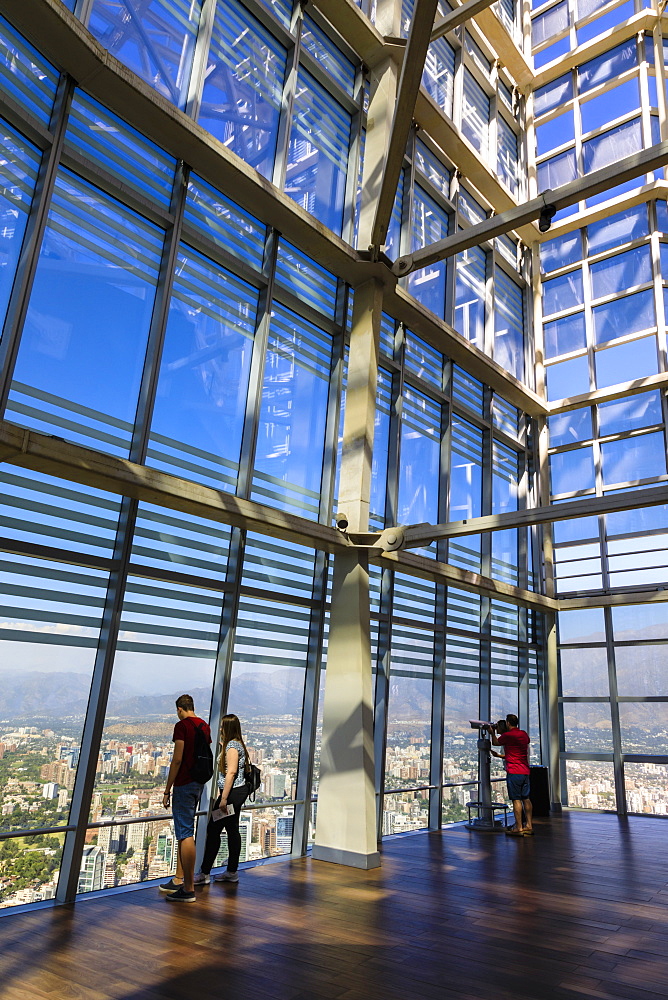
[[580, 910]]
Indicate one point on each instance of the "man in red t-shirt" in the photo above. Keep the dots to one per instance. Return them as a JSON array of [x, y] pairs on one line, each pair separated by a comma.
[[181, 888], [516, 742]]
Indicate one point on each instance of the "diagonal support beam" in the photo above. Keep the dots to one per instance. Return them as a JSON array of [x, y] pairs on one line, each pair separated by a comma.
[[459, 16], [622, 170], [409, 85], [422, 534]]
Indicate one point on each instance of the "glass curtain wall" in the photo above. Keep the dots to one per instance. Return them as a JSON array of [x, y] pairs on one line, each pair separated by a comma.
[[166, 325], [602, 301]]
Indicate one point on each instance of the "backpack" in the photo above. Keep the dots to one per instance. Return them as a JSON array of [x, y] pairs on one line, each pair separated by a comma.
[[202, 766], [253, 778]]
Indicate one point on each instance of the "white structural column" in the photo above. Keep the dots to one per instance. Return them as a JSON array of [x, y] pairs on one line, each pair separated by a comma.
[[346, 829], [346, 822]]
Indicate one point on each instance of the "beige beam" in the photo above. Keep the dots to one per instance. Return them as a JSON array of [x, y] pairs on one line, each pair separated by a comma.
[[438, 572], [460, 15], [409, 84], [657, 596], [420, 535], [76, 463], [400, 304], [627, 168]]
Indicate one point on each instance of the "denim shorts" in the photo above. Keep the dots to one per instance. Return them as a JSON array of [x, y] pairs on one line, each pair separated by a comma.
[[518, 786], [185, 799]]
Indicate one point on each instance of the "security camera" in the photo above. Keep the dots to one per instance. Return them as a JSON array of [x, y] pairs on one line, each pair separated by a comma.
[[547, 213], [341, 521]]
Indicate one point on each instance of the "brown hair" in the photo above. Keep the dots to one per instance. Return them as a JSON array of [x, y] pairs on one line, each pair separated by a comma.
[[512, 721], [230, 729], [185, 703]]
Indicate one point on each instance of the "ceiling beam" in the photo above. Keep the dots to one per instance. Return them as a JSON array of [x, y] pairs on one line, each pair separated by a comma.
[[424, 534], [567, 194], [459, 16], [409, 85]]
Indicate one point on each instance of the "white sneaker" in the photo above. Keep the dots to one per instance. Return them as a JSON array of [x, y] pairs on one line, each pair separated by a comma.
[[227, 877], [201, 879]]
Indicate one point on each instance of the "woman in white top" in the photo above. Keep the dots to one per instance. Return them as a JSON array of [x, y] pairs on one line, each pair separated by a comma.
[[232, 791]]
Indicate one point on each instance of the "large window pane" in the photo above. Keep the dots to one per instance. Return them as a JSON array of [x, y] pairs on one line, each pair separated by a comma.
[[564, 335], [611, 232], [420, 457], [641, 457], [643, 726], [50, 624], [290, 442], [203, 383], [613, 145], [109, 142], [646, 788], [640, 621], [241, 99], [29, 866], [19, 163], [567, 428], [626, 362], [582, 626], [616, 274], [155, 40], [642, 671], [607, 66], [25, 74], [569, 378], [471, 267], [84, 341], [587, 726], [584, 672], [475, 114], [318, 154], [439, 73], [611, 105], [429, 225], [590, 784], [508, 324], [563, 292], [572, 470], [553, 94], [626, 414], [624, 315]]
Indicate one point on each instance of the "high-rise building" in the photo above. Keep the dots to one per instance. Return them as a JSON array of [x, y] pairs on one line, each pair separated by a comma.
[[93, 863], [398, 383]]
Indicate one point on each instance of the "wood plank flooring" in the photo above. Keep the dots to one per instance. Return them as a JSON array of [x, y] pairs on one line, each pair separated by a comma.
[[580, 910]]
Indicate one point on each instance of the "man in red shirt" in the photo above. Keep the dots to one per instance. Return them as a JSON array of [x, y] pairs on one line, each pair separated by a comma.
[[181, 888], [516, 742]]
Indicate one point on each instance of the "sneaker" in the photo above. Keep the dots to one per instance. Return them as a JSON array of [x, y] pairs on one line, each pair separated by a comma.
[[170, 886], [201, 878], [181, 896], [227, 877]]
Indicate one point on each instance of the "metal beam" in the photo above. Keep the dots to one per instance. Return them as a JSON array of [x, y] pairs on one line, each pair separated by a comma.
[[568, 194], [439, 572], [409, 85], [423, 534], [459, 16], [76, 463]]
